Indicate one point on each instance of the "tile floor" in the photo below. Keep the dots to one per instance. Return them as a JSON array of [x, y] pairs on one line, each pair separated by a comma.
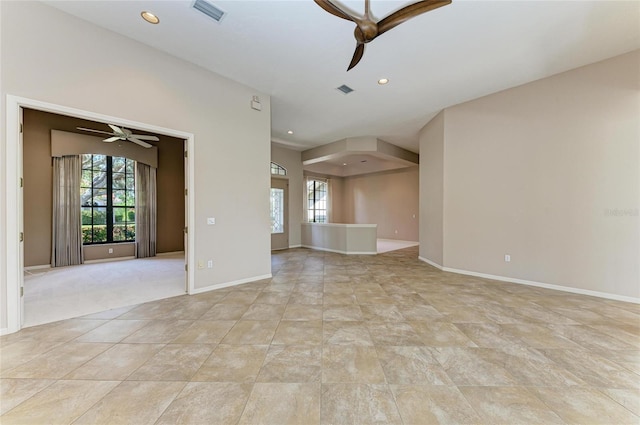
[[334, 339]]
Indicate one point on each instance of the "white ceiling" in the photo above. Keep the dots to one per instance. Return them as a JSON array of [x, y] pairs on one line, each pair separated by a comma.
[[298, 53]]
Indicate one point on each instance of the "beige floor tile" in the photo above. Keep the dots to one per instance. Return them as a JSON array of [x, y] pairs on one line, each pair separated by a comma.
[[283, 404], [393, 333], [539, 336], [60, 403], [582, 405], [110, 314], [302, 312], [296, 332], [174, 362], [264, 312], [58, 362], [420, 312], [425, 404], [15, 391], [117, 363], [20, 352], [381, 313], [342, 313], [232, 363], [358, 404], [441, 334], [292, 363], [112, 331], [346, 333], [630, 399], [273, 298], [473, 366], [65, 330], [509, 405], [225, 311], [351, 364], [308, 298], [133, 402], [205, 332], [241, 297], [489, 335], [207, 403], [158, 332], [339, 299], [594, 369], [411, 365], [252, 332]]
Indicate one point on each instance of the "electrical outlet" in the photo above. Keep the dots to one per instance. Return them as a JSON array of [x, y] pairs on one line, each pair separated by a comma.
[[110, 250], [507, 258], [210, 264], [211, 220]]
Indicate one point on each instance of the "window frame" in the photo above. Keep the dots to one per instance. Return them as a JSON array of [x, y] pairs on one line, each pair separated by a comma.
[[109, 207], [312, 211]]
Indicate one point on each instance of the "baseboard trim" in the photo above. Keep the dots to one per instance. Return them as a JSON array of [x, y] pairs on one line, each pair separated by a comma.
[[295, 246], [40, 267], [161, 254], [228, 284], [109, 260], [5, 331], [579, 291], [317, 248], [431, 263]]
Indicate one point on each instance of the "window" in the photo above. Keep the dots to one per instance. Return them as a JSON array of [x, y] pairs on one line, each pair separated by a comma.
[[278, 170], [317, 200], [277, 210], [107, 196]]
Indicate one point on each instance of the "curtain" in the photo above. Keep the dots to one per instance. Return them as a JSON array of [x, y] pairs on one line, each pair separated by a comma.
[[66, 249], [146, 210]]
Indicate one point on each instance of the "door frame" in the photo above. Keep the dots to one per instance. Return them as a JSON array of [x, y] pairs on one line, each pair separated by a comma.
[[14, 275], [286, 209]]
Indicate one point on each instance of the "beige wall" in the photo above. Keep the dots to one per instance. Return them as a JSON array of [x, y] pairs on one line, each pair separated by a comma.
[[38, 187], [549, 173], [292, 161], [388, 199], [53, 57], [431, 189]]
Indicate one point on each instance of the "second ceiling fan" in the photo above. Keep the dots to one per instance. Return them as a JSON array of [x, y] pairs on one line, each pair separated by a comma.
[[367, 29], [121, 133]]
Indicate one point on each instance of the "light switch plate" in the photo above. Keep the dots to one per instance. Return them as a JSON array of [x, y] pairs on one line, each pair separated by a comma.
[[211, 220]]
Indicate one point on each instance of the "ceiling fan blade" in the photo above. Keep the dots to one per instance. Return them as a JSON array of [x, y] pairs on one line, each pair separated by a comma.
[[116, 129], [93, 131], [357, 55], [138, 142], [334, 9], [143, 137], [111, 139], [408, 12]]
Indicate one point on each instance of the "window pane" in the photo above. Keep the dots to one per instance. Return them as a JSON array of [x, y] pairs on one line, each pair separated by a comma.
[[100, 162], [86, 178], [118, 164], [131, 183], [86, 234], [131, 232], [131, 215], [118, 181], [118, 197], [100, 233], [99, 197], [277, 210], [100, 179], [119, 215], [87, 216], [130, 166], [100, 216]]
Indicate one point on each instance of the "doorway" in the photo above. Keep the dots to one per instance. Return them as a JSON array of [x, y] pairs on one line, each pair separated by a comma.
[[14, 193], [279, 209]]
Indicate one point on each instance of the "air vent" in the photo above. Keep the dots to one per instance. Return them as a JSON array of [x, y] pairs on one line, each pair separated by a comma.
[[209, 9], [345, 89]]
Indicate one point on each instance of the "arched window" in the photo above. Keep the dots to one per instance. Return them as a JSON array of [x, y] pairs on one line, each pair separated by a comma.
[[277, 170]]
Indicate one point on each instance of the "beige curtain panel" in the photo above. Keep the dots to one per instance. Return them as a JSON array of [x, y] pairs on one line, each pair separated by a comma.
[[66, 239], [146, 210]]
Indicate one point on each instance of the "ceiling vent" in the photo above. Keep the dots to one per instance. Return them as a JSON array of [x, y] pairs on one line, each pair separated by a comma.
[[209, 9], [345, 89]]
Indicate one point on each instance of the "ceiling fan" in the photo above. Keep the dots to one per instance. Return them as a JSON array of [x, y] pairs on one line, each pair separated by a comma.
[[121, 133], [367, 29]]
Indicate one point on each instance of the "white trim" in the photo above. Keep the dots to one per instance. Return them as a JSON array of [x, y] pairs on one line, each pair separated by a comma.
[[233, 283], [431, 263], [537, 284], [110, 260], [317, 248], [161, 254], [14, 273], [4, 331], [40, 267], [338, 225], [295, 246]]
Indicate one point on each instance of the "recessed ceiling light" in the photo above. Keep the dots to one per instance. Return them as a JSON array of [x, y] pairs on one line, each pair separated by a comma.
[[150, 17], [383, 81], [344, 163], [290, 132]]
